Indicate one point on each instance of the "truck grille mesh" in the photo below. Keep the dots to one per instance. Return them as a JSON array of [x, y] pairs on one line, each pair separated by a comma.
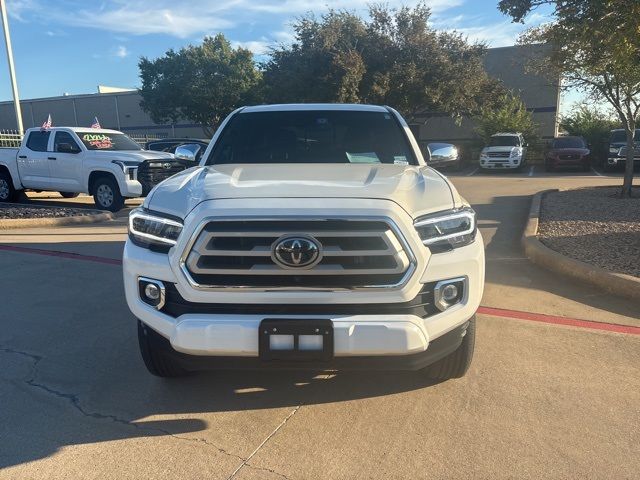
[[149, 176], [355, 254]]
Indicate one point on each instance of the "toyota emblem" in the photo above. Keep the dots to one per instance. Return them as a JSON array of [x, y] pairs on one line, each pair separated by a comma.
[[296, 252], [166, 166]]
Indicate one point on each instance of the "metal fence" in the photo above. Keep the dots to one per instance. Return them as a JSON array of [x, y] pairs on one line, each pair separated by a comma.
[[142, 138], [10, 139]]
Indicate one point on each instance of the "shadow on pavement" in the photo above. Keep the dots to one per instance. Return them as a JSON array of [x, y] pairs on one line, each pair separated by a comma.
[[72, 372]]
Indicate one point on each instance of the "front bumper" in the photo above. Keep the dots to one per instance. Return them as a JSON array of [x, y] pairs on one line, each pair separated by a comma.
[[438, 348], [360, 328], [615, 161]]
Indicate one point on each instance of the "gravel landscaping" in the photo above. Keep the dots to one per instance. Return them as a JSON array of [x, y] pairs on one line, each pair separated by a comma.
[[594, 226], [26, 211]]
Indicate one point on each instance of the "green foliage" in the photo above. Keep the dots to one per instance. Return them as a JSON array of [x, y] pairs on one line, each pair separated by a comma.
[[596, 48], [394, 57], [510, 115], [592, 124], [203, 83]]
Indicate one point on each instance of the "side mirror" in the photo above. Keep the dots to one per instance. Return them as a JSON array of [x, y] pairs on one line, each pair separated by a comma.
[[188, 152], [67, 148]]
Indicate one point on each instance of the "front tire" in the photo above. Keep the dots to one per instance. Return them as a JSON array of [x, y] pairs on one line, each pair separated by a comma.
[[68, 194], [456, 364], [155, 358], [7, 192], [106, 194]]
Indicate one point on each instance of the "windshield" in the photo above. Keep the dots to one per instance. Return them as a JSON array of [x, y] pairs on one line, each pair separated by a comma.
[[316, 136], [568, 142], [107, 141], [620, 136], [504, 141]]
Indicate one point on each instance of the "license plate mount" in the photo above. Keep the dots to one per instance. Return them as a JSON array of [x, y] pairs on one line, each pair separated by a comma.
[[296, 339]]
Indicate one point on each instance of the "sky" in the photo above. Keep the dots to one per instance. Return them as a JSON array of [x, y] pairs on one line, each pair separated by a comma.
[[72, 46]]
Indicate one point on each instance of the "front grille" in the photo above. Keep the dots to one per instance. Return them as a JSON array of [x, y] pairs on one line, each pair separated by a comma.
[[569, 157], [422, 306], [499, 154], [623, 152], [355, 254], [150, 176]]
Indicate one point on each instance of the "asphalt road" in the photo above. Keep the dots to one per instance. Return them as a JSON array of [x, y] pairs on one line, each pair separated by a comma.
[[540, 401]]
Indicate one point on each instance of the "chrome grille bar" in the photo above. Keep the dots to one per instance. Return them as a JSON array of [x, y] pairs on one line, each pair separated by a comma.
[[237, 253]]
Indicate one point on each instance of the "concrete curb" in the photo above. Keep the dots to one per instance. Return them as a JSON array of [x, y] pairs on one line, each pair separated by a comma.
[[93, 216], [614, 283]]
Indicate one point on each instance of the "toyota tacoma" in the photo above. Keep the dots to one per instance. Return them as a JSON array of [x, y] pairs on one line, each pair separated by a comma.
[[312, 237]]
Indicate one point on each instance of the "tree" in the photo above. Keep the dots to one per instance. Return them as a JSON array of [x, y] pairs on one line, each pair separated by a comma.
[[203, 83], [394, 57], [510, 116], [596, 48], [325, 63], [593, 124]]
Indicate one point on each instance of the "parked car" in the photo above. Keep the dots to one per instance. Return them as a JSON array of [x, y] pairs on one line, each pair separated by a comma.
[[310, 236], [170, 145], [443, 155], [104, 163], [505, 151], [568, 152], [617, 157]]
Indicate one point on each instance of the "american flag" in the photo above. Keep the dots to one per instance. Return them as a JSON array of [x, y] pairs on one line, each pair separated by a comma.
[[47, 125], [96, 123]]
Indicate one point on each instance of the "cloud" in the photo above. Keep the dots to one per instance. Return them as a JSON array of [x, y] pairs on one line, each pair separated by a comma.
[[496, 34], [121, 52], [184, 19]]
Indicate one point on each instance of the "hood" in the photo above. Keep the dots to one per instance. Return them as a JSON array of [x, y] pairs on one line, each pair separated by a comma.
[[135, 155], [418, 190], [569, 151]]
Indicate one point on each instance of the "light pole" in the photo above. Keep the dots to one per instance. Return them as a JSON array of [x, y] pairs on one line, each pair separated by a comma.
[[12, 71]]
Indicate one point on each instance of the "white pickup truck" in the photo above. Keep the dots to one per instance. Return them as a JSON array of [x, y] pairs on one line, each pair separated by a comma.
[[310, 236], [104, 163]]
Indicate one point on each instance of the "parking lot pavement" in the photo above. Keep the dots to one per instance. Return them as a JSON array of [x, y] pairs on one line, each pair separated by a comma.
[[540, 400]]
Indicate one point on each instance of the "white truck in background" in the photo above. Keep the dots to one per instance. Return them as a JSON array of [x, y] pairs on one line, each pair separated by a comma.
[[104, 163]]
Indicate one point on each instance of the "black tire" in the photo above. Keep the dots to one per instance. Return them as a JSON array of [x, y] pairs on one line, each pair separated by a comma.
[[69, 194], [7, 192], [106, 194], [548, 167], [152, 348], [586, 167], [456, 364]]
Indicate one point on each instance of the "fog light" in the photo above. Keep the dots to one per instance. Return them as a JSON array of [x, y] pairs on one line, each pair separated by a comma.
[[447, 293], [152, 292]]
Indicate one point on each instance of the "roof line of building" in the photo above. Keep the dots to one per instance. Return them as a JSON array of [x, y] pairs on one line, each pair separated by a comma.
[[70, 97]]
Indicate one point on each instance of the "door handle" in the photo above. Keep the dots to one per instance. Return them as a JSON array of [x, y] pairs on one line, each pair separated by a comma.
[[22, 156], [51, 158]]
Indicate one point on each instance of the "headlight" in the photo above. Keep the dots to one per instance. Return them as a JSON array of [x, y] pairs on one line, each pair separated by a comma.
[[516, 152], [447, 230], [153, 231], [614, 150]]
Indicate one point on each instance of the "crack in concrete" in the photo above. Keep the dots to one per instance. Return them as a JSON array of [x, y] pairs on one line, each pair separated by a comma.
[[246, 462], [74, 400], [270, 470]]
